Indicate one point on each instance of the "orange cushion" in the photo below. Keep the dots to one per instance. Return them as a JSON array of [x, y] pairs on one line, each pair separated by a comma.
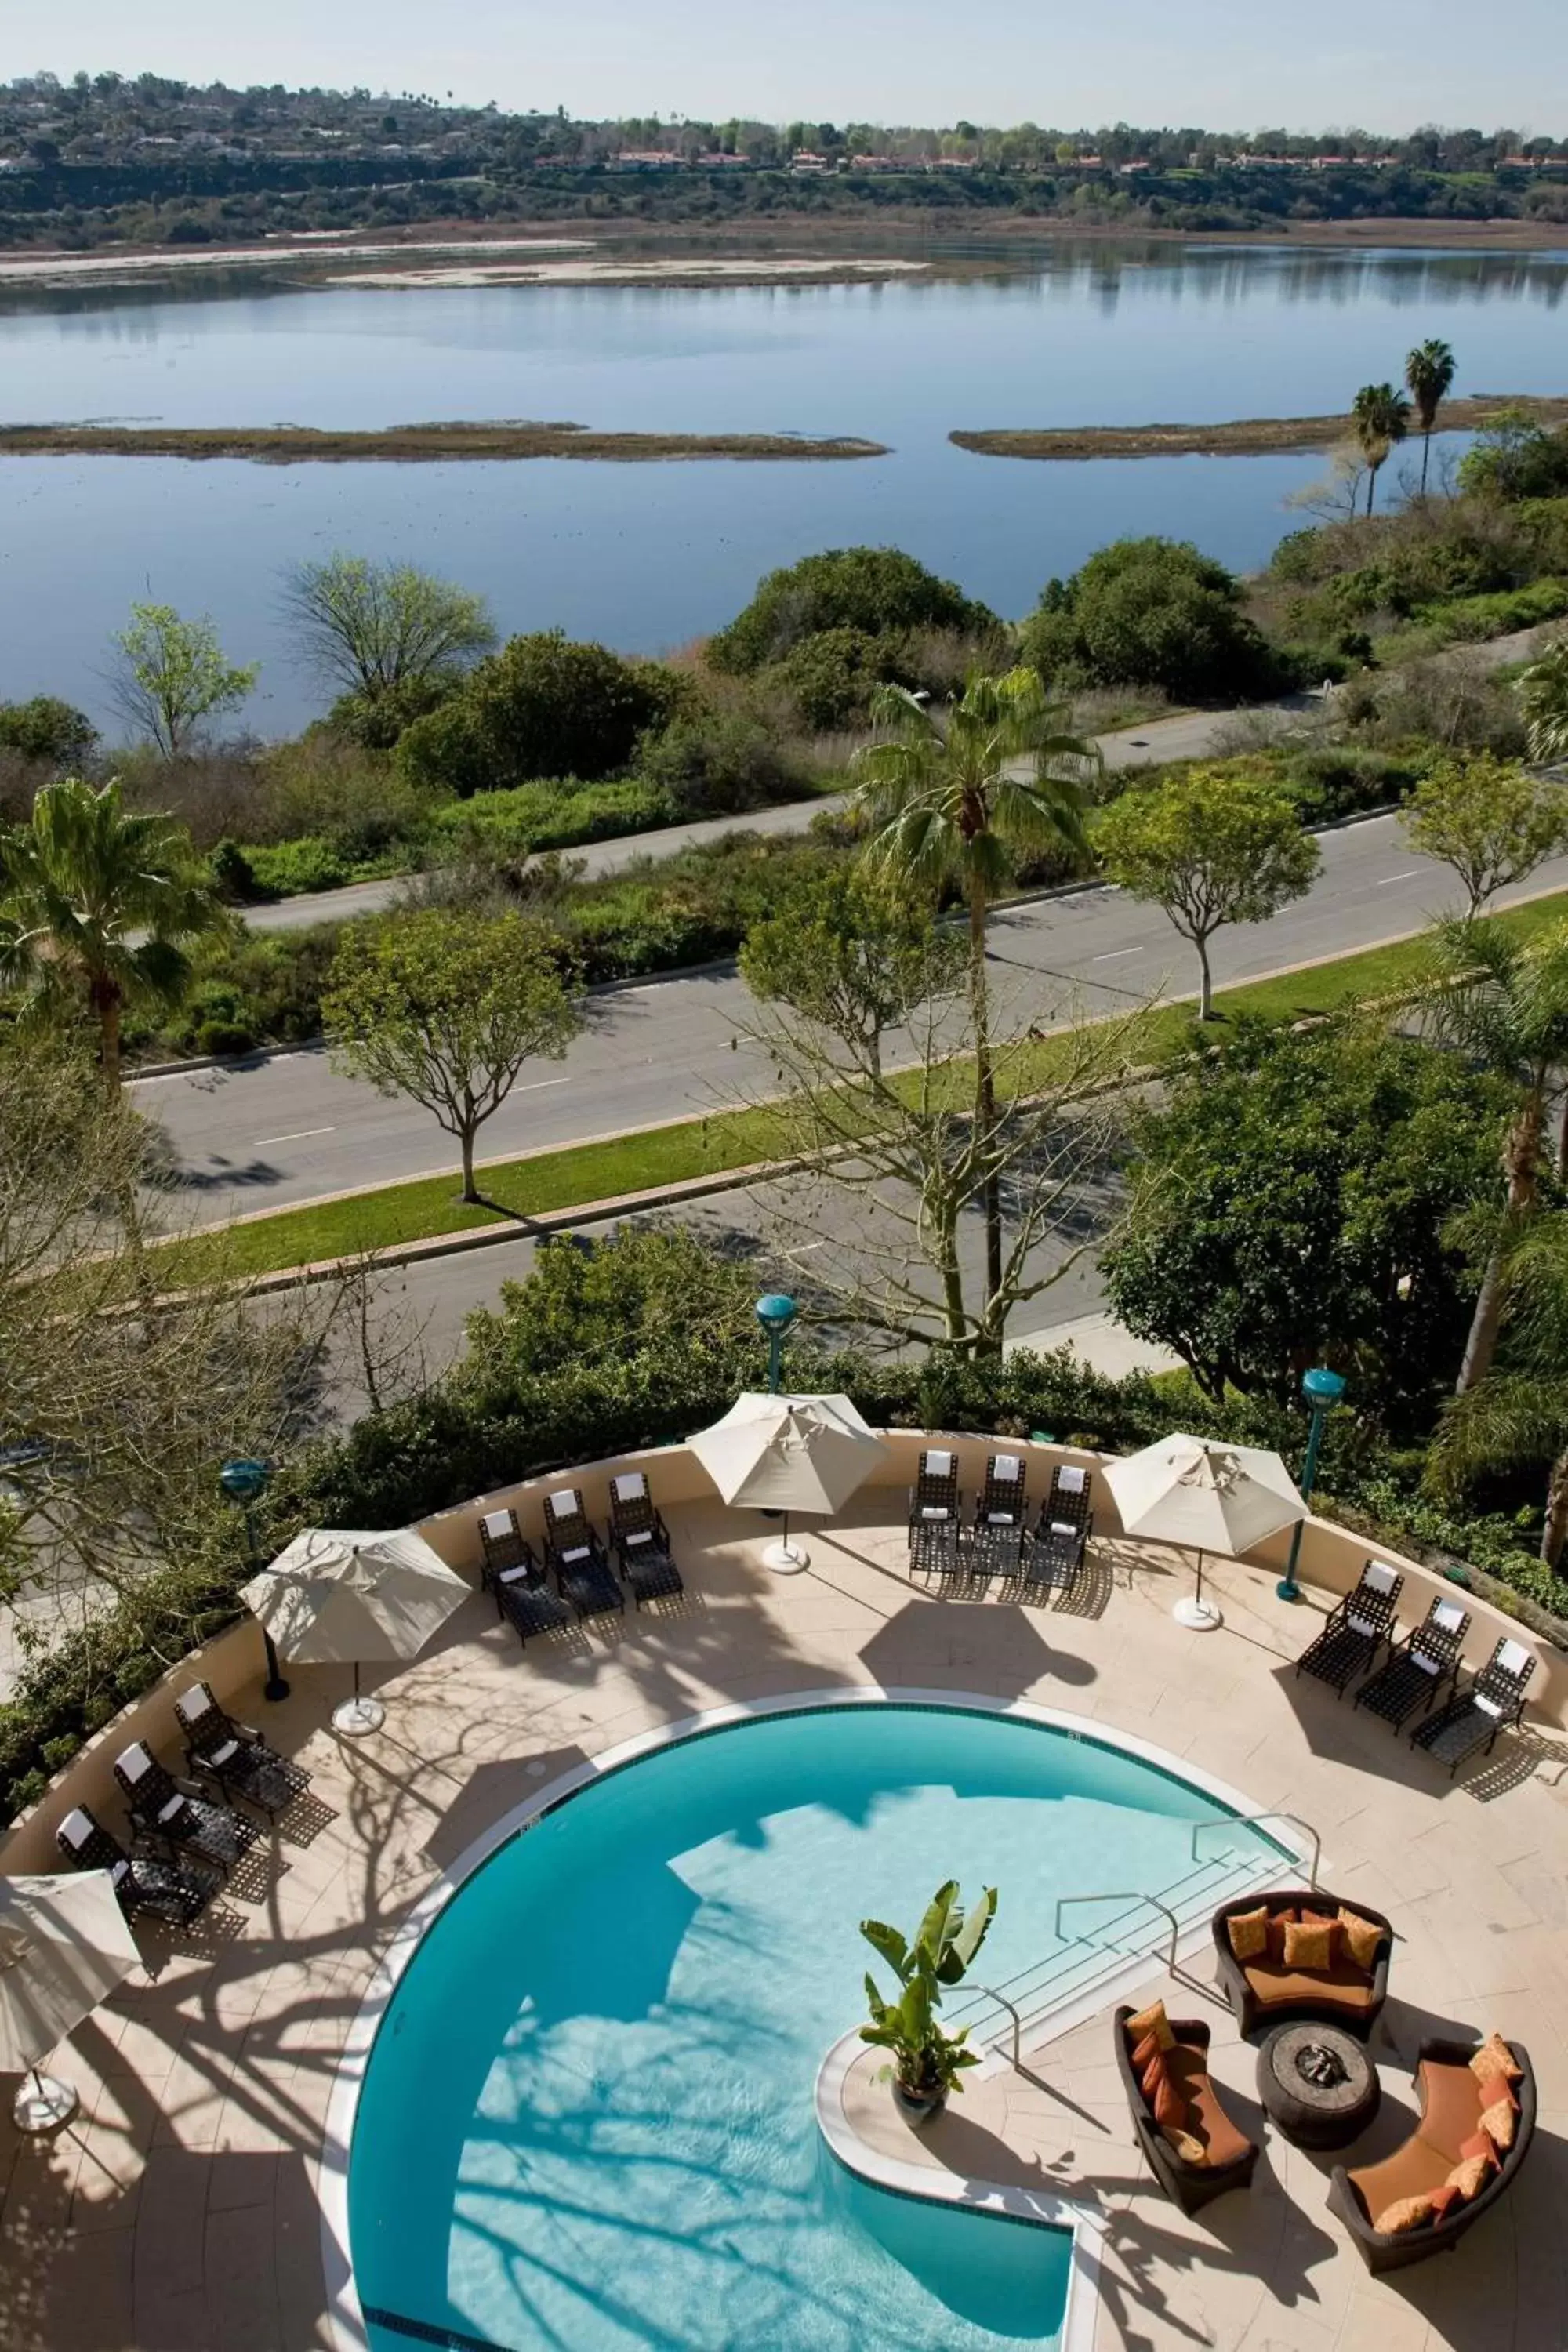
[[1248, 1932], [1495, 2057], [1148, 2048], [1478, 2144], [1359, 1937], [1277, 1923], [1409, 2213], [1325, 1920], [1495, 2088], [1152, 2075], [1450, 2106], [1153, 2021], [1444, 2199], [1307, 1948], [1470, 2176], [1170, 2107], [1498, 2122]]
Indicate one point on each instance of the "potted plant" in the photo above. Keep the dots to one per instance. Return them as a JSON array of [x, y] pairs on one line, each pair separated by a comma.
[[927, 2060]]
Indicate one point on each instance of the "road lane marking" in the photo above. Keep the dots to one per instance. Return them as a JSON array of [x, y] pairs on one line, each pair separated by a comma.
[[1408, 876], [298, 1136], [534, 1085], [1115, 955]]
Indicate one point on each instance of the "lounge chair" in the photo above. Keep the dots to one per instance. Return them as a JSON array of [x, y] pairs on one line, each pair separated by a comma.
[[1354, 1632], [502, 1545], [934, 1516], [1264, 1989], [583, 1575], [1226, 2157], [1451, 2096], [235, 1756], [524, 1598], [1422, 1671], [174, 1891], [641, 1541], [1055, 1551], [997, 1532], [1473, 1718], [177, 1815], [1071, 1495]]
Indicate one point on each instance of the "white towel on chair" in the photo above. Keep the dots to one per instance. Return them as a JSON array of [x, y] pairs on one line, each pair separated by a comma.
[[938, 1465], [1008, 1469], [1070, 1478], [562, 1506], [1378, 1577], [1514, 1657], [631, 1488], [76, 1829], [497, 1525]]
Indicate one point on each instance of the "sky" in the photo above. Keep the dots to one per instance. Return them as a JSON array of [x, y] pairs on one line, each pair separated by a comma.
[[1221, 64]]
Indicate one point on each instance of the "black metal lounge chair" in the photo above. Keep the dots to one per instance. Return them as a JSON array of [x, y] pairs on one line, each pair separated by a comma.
[[1473, 1717], [177, 1815], [1354, 1632], [1422, 1671], [524, 1598], [583, 1575], [641, 1541], [1071, 1496], [176, 1890], [934, 1548], [235, 1756], [997, 1532], [1053, 1553], [502, 1546]]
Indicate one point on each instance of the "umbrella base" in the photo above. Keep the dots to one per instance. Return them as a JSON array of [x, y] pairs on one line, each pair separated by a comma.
[[1197, 1616], [784, 1557], [44, 2103], [355, 1716]]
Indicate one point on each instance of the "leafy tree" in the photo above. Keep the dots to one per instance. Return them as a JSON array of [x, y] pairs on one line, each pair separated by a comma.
[[1517, 1417], [1212, 844], [98, 907], [47, 728], [393, 638], [1291, 1204], [436, 1006], [1149, 611], [172, 675], [1380, 419], [957, 796], [1544, 689], [1490, 819], [599, 1302], [1514, 457], [869, 589], [1429, 378], [852, 956], [1503, 1004], [540, 706]]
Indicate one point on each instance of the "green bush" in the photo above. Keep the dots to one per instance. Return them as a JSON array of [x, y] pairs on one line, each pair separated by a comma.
[[543, 706], [558, 814], [870, 590], [288, 869], [1470, 619], [47, 729], [1514, 457], [830, 677], [719, 763], [1155, 612]]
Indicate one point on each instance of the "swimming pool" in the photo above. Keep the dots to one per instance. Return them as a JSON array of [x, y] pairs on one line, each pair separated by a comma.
[[586, 2121]]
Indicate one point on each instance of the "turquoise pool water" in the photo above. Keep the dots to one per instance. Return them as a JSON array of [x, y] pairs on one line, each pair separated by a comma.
[[587, 2123]]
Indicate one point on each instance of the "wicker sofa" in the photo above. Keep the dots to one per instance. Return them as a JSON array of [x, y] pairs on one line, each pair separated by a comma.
[[1265, 1992], [1449, 2094], [1231, 2156]]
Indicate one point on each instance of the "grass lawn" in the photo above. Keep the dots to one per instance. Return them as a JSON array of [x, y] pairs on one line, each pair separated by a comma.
[[551, 1181]]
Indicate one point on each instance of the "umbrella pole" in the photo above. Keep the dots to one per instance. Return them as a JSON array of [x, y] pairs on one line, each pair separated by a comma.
[[782, 1557], [44, 2103], [1198, 1615], [357, 1716]]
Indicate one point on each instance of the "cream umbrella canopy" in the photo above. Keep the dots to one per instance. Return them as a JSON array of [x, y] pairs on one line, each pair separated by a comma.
[[788, 1453], [346, 1596], [64, 1946], [1205, 1496]]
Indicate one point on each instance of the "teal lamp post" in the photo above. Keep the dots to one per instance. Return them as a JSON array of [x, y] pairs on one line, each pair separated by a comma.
[[775, 1313], [1322, 1389], [244, 1481]]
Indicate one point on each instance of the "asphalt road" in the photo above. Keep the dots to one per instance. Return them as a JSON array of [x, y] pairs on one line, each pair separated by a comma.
[[287, 1129]]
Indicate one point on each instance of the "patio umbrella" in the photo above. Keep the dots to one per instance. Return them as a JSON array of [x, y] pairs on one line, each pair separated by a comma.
[[1207, 1496], [788, 1453], [64, 1945], [341, 1596]]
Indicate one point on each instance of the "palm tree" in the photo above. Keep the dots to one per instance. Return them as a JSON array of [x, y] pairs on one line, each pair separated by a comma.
[[1428, 379], [97, 905], [1381, 417], [1504, 1005], [1518, 1416], [1544, 689], [959, 796]]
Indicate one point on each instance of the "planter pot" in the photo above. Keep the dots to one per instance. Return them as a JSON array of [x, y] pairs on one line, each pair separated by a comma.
[[918, 2105]]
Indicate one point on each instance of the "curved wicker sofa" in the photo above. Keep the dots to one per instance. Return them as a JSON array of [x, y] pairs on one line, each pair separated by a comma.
[[1421, 2162], [1190, 2186], [1265, 1994]]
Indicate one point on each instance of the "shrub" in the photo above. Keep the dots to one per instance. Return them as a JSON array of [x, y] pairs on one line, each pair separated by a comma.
[[1151, 612], [557, 814], [1470, 619], [829, 678], [287, 869], [540, 706], [233, 874], [47, 729], [869, 589], [718, 763], [1514, 457]]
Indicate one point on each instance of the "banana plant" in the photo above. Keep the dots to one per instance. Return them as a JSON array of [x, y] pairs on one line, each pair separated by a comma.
[[927, 2060]]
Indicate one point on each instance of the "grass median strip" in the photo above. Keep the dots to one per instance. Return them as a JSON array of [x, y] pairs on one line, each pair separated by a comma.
[[688, 1149]]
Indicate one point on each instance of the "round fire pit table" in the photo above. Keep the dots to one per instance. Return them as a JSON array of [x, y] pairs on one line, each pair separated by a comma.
[[1318, 2084]]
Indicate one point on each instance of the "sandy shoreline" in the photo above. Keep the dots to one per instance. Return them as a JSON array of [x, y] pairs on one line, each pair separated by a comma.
[[1252, 436], [289, 445]]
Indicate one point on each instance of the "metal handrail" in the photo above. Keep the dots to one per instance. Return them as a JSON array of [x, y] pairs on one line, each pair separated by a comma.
[[1220, 1821], [1134, 1895], [1011, 2007]]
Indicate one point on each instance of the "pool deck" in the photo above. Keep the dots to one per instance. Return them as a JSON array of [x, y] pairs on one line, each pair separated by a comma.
[[179, 2213]]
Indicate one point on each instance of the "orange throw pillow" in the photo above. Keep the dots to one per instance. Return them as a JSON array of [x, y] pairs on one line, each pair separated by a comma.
[[1307, 1948], [1153, 2021], [1277, 1923], [1248, 1932], [1495, 2057], [1470, 2176], [1409, 2213], [1495, 2088], [1444, 2199], [1361, 1938], [1148, 2048], [1153, 2075], [1325, 1920], [1478, 2144], [1498, 2122], [1170, 2107]]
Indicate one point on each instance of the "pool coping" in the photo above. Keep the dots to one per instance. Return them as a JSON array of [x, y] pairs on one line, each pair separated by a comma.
[[345, 2318]]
